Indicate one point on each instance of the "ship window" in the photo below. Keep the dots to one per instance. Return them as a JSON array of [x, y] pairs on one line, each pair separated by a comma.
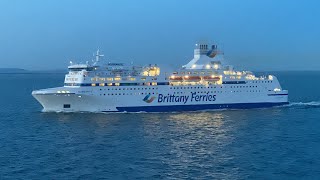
[[66, 106]]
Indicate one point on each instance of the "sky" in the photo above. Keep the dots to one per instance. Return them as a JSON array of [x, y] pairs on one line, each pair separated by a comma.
[[254, 34]]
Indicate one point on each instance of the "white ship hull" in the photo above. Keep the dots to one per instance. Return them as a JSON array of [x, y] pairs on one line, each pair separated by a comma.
[[92, 99]]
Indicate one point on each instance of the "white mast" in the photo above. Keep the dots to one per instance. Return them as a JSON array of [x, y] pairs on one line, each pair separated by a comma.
[[98, 55]]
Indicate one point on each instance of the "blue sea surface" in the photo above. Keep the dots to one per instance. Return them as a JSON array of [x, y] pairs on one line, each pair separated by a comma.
[[272, 143]]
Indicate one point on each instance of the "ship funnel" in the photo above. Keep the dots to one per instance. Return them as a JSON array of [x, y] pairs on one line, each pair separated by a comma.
[[213, 52]]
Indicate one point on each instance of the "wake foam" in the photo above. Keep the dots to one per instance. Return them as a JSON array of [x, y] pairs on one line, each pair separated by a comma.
[[312, 104]]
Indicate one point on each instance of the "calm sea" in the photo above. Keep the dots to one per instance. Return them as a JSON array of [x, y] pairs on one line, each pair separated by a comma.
[[274, 143]]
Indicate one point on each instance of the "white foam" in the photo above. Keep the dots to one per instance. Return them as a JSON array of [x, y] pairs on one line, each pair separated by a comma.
[[304, 104]]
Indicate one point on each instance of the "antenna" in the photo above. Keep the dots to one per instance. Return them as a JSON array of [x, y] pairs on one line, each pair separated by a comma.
[[98, 55]]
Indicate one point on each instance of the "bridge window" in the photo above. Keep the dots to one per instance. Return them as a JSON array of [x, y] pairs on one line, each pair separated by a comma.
[[66, 106]]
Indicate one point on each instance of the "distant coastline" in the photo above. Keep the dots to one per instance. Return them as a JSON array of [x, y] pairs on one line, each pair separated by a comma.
[[24, 71], [12, 70]]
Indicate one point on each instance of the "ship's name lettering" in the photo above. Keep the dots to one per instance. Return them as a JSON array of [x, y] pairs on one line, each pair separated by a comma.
[[194, 97]]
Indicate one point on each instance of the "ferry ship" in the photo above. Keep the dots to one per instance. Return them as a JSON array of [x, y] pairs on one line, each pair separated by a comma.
[[205, 83]]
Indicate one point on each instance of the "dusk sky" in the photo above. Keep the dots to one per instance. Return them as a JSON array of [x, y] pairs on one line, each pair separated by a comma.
[[254, 34]]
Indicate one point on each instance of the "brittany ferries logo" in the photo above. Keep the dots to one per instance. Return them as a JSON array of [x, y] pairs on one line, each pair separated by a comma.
[[193, 97], [148, 99]]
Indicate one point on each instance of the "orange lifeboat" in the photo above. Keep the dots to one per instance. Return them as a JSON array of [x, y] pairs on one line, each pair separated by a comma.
[[175, 78], [211, 78], [192, 78]]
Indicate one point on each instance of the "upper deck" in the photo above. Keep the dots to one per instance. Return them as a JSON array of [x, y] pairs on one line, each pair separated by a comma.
[[206, 68]]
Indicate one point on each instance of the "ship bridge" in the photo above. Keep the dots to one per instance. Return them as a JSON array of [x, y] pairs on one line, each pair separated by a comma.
[[80, 67]]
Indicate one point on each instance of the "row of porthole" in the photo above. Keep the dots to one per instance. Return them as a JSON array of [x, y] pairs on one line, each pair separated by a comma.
[[244, 86], [174, 93], [217, 92], [192, 87], [211, 87], [179, 88], [204, 92], [129, 89], [126, 94], [261, 81]]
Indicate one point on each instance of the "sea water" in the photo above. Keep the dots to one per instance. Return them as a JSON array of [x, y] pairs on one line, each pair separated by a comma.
[[271, 143]]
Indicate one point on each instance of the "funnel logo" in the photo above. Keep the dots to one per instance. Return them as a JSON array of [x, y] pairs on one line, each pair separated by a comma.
[[148, 99]]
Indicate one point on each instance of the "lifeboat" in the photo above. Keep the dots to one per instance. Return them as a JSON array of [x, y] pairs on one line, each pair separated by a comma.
[[175, 78], [192, 78], [211, 78]]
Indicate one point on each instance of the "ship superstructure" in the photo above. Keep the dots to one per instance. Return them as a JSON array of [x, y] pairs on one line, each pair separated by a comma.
[[206, 82]]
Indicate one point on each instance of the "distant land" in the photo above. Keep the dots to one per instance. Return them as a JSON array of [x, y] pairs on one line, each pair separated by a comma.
[[12, 70], [24, 71]]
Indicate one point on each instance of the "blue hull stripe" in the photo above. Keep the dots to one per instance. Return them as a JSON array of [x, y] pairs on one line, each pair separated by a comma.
[[198, 107], [277, 94]]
